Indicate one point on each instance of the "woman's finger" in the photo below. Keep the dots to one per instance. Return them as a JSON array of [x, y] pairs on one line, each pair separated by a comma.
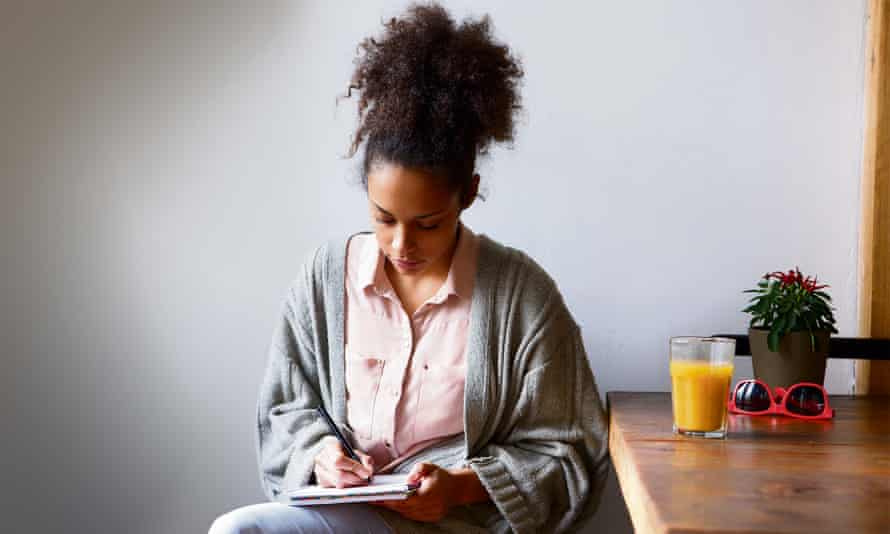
[[346, 479], [334, 460], [345, 463], [367, 460], [328, 454], [323, 477], [334, 478]]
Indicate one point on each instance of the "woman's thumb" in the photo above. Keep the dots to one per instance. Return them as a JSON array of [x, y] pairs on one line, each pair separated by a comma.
[[419, 471]]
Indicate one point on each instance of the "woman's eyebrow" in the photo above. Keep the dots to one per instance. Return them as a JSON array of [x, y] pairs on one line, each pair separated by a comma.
[[418, 217]]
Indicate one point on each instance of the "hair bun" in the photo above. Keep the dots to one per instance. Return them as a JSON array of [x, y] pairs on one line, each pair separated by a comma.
[[433, 91]]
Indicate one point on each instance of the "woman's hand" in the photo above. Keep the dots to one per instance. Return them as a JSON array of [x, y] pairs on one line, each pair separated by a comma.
[[438, 492], [334, 469]]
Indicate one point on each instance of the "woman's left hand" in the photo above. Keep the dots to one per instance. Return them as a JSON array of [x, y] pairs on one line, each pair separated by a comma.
[[434, 497]]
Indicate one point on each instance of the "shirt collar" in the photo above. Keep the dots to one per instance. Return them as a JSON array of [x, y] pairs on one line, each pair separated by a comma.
[[460, 275], [370, 272]]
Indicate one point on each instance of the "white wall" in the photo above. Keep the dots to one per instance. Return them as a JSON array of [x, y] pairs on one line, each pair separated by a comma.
[[166, 168]]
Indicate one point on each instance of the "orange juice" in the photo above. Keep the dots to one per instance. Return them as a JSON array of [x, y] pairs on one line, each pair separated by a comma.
[[700, 391]]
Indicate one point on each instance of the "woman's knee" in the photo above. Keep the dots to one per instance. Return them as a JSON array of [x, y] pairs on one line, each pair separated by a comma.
[[274, 518], [238, 521]]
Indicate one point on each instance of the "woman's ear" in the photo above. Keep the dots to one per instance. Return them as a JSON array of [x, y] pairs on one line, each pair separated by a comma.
[[469, 194]]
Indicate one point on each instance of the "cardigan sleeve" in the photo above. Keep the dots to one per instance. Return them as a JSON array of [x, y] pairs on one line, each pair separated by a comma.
[[547, 468], [289, 432]]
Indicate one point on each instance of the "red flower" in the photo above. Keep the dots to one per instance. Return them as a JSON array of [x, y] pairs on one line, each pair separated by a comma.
[[794, 276]]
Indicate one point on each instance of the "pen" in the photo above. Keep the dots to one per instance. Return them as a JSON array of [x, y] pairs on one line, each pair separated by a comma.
[[343, 443]]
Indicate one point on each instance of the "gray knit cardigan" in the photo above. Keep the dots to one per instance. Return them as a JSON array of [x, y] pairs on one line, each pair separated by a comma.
[[534, 429]]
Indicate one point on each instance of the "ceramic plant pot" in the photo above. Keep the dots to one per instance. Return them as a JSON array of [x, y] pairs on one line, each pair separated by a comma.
[[796, 361]]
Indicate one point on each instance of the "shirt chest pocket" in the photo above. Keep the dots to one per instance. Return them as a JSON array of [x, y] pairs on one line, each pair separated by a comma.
[[362, 385], [441, 402]]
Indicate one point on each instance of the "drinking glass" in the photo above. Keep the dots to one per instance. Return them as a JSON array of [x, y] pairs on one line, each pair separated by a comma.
[[701, 370]]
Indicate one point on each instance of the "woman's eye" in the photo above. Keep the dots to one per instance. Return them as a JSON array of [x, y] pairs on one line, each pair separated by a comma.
[[389, 222]]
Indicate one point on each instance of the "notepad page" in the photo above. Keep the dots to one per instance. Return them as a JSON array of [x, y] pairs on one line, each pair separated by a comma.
[[380, 485]]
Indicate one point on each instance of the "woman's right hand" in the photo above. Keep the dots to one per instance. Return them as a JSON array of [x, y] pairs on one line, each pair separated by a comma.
[[334, 469]]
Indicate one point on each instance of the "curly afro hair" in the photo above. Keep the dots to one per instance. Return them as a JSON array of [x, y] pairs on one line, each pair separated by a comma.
[[433, 94]]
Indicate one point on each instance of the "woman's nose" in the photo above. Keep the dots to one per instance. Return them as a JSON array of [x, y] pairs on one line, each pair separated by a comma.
[[402, 240]]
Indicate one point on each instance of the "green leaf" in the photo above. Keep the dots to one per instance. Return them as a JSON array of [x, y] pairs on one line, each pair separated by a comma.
[[808, 322], [780, 324], [772, 340]]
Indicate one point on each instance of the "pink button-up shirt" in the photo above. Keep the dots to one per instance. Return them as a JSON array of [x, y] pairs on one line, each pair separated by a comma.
[[405, 375]]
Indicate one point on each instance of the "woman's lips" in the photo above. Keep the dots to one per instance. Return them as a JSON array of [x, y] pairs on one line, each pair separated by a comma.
[[406, 264]]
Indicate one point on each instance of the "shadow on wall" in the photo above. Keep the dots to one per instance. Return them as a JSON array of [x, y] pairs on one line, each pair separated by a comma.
[[96, 398]]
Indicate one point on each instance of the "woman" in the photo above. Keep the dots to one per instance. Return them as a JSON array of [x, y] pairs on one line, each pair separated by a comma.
[[439, 352]]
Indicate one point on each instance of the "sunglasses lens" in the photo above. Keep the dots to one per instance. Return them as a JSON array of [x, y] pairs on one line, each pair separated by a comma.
[[805, 400], [752, 397]]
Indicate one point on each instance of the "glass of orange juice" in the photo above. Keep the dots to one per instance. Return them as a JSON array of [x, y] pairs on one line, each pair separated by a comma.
[[701, 370]]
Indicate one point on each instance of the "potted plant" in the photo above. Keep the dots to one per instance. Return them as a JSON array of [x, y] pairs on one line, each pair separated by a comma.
[[791, 324]]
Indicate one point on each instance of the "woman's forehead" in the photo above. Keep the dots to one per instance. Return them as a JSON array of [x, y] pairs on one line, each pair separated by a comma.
[[408, 191]]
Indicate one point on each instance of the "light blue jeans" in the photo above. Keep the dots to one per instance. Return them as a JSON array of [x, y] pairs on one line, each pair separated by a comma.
[[276, 518]]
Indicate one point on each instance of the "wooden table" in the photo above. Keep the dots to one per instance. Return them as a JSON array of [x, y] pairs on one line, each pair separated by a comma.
[[771, 474]]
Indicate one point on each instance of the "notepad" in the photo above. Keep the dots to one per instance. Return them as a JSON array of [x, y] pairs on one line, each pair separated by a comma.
[[381, 488]]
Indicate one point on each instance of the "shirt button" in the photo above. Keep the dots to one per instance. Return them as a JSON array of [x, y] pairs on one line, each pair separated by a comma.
[[394, 392]]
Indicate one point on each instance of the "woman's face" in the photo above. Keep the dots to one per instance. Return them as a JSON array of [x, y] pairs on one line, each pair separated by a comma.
[[415, 217]]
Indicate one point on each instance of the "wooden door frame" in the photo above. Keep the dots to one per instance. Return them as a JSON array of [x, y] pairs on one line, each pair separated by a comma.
[[874, 242]]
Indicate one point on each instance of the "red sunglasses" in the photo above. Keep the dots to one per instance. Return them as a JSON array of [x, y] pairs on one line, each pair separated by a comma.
[[804, 400]]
